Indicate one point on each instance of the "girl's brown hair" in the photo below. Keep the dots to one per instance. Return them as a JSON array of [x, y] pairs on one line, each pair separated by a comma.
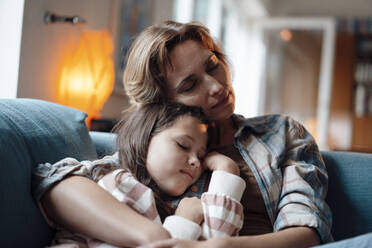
[[138, 125], [149, 57]]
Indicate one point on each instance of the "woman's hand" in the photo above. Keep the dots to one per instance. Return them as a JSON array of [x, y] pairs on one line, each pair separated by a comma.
[[217, 161], [190, 208]]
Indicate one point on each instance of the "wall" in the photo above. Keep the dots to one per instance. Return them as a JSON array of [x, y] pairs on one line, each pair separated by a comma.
[[42, 44], [293, 74], [160, 11], [320, 7], [11, 16]]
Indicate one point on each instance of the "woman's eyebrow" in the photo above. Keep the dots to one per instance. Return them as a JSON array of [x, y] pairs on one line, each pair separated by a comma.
[[186, 78], [180, 84], [189, 77], [208, 60]]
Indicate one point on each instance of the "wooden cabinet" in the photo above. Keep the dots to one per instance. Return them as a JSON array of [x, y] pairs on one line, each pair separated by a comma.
[[349, 129]]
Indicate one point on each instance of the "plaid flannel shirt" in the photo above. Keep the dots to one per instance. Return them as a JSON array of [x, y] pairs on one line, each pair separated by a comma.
[[289, 170]]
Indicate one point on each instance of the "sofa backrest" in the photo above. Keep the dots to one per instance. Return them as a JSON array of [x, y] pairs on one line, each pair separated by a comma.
[[349, 192], [33, 132]]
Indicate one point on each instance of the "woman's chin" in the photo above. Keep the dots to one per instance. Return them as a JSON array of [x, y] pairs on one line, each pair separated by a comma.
[[223, 115]]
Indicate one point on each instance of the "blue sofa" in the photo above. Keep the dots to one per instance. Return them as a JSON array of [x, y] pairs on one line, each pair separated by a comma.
[[35, 131]]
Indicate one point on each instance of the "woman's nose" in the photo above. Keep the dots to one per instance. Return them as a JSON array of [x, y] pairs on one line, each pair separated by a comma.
[[214, 86]]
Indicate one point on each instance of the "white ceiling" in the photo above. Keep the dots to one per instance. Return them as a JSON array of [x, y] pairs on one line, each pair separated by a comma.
[[342, 8]]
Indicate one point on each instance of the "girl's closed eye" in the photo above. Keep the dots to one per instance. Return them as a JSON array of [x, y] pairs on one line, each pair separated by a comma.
[[182, 145]]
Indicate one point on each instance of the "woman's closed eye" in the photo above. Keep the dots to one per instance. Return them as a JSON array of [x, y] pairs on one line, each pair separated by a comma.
[[212, 67], [187, 85], [213, 64], [190, 85]]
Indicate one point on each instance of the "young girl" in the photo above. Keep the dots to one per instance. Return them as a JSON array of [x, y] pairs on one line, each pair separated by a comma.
[[161, 153]]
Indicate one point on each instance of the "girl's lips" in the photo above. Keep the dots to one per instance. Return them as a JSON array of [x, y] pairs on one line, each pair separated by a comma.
[[188, 173], [222, 101]]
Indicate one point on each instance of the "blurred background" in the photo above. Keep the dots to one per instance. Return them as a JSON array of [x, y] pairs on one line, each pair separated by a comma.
[[311, 60]]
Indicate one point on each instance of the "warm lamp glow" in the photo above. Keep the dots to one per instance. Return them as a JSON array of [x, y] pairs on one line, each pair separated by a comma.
[[286, 34], [87, 77]]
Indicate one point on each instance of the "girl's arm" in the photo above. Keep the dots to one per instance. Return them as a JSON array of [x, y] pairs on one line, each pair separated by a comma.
[[80, 205]]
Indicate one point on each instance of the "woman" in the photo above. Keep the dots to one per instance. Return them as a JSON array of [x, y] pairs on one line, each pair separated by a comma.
[[284, 203]]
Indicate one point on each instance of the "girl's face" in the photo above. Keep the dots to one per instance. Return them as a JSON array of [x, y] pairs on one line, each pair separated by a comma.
[[174, 155], [199, 78]]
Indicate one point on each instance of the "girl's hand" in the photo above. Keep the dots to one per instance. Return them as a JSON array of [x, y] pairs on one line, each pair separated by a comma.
[[191, 209], [217, 161], [178, 243], [172, 243]]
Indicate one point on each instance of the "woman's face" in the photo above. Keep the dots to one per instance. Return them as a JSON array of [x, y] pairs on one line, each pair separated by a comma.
[[174, 155], [199, 78]]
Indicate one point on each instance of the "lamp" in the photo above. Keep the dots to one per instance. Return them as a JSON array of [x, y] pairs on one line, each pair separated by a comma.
[[87, 76]]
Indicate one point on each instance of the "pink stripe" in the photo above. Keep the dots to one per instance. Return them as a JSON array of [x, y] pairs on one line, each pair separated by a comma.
[[137, 191], [221, 225], [223, 201], [282, 213], [110, 183], [151, 212]]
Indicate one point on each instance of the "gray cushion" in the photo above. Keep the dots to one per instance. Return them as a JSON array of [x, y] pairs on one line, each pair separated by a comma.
[[33, 132], [105, 143]]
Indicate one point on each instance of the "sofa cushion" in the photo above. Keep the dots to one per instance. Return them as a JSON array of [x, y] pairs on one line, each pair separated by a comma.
[[33, 132]]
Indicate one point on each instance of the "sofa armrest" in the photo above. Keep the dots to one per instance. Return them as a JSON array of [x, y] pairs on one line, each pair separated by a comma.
[[104, 142], [350, 192]]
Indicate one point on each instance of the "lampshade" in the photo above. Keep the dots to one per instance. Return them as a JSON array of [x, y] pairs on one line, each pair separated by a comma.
[[87, 76]]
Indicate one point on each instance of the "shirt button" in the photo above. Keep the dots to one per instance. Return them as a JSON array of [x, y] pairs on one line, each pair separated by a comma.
[[194, 188]]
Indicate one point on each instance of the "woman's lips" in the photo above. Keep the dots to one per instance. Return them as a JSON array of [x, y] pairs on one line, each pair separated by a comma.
[[222, 101]]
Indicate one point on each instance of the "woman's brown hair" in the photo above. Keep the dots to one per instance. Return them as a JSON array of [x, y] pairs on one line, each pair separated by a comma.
[[135, 130], [149, 57]]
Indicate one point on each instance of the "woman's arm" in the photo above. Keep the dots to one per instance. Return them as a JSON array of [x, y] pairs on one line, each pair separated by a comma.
[[80, 205], [296, 237]]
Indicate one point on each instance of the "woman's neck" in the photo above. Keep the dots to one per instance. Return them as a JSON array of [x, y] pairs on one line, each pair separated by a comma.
[[224, 132]]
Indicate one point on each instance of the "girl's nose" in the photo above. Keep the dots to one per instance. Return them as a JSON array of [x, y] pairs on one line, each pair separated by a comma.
[[194, 161]]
